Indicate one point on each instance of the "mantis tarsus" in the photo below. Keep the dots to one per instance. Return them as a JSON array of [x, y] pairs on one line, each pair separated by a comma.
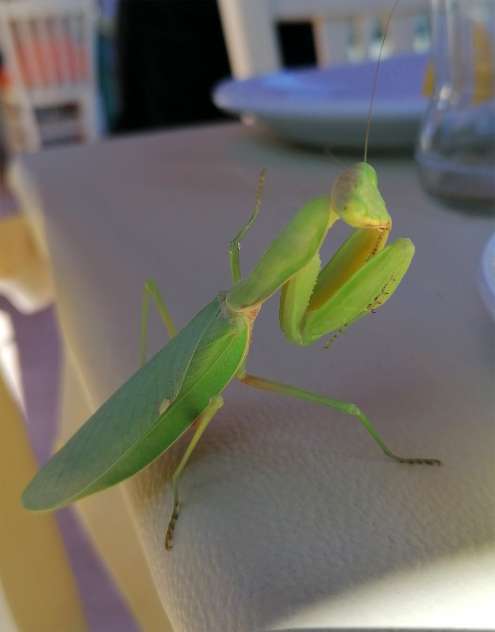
[[183, 383]]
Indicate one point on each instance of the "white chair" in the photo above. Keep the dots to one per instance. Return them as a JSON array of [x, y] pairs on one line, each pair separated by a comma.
[[48, 51], [249, 28]]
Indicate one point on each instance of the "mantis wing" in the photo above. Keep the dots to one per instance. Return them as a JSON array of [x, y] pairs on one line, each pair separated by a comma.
[[111, 435]]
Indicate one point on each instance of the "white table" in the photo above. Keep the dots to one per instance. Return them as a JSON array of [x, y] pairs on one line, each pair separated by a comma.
[[292, 519]]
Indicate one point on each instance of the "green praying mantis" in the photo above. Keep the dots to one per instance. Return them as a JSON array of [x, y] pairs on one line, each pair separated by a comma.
[[182, 386]]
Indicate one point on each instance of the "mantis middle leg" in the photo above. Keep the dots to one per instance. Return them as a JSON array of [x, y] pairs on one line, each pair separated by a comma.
[[345, 407], [201, 424]]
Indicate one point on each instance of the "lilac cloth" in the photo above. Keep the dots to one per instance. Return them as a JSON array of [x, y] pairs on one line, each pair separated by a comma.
[[39, 350]]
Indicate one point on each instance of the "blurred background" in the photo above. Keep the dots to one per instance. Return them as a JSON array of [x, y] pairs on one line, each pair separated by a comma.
[[79, 70]]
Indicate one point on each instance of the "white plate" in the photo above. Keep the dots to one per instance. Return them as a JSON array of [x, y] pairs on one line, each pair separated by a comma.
[[487, 281], [329, 107]]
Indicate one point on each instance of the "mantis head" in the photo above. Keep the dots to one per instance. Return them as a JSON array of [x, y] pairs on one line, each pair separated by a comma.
[[356, 200]]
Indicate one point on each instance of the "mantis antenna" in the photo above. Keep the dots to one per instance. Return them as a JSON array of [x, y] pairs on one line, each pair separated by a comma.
[[375, 80]]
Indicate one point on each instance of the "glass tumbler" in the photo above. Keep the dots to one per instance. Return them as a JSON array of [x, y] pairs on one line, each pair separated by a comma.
[[456, 147]]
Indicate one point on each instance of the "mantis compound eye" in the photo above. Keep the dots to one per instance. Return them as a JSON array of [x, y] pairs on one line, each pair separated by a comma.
[[357, 201]]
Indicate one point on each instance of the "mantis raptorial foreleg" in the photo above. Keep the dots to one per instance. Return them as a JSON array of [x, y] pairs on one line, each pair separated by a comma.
[[201, 424], [345, 407], [151, 291], [344, 296], [311, 289]]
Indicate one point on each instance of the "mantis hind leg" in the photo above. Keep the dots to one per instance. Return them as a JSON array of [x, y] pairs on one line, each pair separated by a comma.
[[202, 423], [345, 407], [151, 291]]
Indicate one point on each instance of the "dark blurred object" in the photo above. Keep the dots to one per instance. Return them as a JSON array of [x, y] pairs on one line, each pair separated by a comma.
[[107, 73], [170, 53], [296, 44]]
